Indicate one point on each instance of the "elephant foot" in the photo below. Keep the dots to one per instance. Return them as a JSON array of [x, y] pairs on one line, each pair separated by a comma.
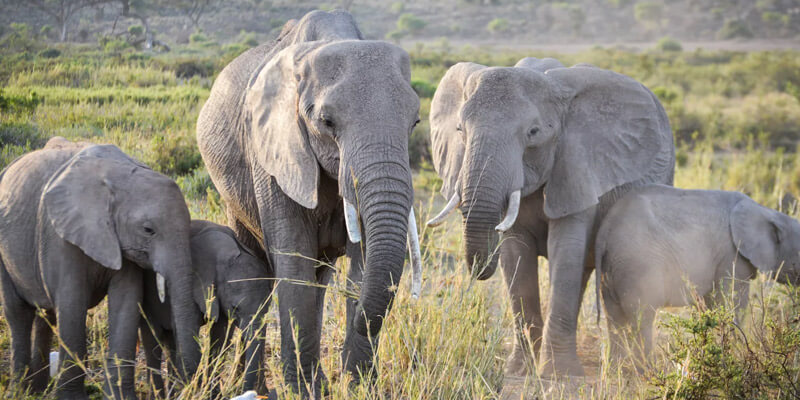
[[554, 365], [520, 362]]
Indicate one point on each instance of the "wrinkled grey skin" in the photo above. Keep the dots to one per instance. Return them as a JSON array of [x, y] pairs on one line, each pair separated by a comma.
[[240, 285], [581, 135], [79, 222], [659, 246], [289, 129]]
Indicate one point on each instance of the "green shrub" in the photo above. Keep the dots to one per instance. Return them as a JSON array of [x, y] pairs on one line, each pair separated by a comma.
[[733, 29], [196, 185], [397, 7], [190, 68], [395, 35], [423, 88], [173, 155], [19, 104], [648, 11], [497, 25], [135, 30], [116, 46], [50, 53], [716, 357], [669, 44], [197, 38], [410, 23]]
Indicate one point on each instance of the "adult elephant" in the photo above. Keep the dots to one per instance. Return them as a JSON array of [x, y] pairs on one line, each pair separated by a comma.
[[78, 222], [306, 139], [553, 146]]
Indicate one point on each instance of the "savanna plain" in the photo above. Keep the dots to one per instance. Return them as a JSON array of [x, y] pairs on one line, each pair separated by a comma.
[[736, 120]]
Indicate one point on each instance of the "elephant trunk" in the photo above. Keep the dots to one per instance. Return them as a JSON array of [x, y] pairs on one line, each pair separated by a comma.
[[384, 201], [486, 183], [185, 314], [253, 361]]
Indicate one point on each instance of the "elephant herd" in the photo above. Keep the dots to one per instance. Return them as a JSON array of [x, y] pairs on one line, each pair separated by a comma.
[[306, 140]]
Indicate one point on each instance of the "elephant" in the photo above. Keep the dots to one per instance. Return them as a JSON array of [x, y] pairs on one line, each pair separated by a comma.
[[553, 146], [306, 139], [231, 282], [660, 246], [79, 222]]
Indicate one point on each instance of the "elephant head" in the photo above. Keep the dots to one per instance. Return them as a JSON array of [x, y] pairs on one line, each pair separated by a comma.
[[499, 134], [344, 109], [769, 239], [117, 210]]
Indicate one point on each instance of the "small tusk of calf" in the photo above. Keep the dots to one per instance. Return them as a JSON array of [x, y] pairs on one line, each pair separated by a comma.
[[161, 286], [351, 222], [415, 255], [53, 363]]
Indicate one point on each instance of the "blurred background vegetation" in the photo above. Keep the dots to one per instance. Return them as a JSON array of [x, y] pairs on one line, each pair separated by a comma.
[[136, 73]]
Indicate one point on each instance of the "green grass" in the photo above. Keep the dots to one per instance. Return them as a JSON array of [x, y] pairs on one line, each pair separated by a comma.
[[737, 121]]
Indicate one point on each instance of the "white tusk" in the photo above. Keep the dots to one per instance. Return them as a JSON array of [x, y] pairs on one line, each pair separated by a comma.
[[451, 205], [161, 286], [53, 363], [351, 222], [511, 213], [415, 255]]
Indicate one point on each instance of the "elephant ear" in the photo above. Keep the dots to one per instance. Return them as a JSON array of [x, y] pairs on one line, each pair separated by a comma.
[[279, 137], [446, 141], [78, 206], [756, 234], [614, 134]]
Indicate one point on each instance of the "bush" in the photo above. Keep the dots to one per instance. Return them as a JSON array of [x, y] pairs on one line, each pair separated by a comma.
[[198, 37], [135, 30], [497, 25], [423, 88], [195, 186], [116, 46], [19, 104], [733, 29], [718, 358], [50, 53], [395, 35], [190, 68], [173, 155], [397, 7], [410, 23], [669, 44]]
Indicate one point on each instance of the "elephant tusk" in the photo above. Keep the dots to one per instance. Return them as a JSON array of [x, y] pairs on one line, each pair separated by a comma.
[[511, 213], [53, 363], [451, 205], [351, 222], [161, 286], [415, 255]]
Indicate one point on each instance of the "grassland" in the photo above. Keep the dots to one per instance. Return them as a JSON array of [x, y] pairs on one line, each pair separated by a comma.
[[736, 118]]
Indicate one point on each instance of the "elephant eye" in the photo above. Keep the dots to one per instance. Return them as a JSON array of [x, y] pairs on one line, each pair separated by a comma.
[[458, 127], [326, 121], [533, 131], [149, 231]]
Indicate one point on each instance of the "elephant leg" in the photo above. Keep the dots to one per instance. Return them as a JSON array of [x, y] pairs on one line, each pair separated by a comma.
[[71, 307], [153, 356], [568, 244], [519, 259], [19, 316], [124, 297], [358, 351], [40, 359], [293, 248]]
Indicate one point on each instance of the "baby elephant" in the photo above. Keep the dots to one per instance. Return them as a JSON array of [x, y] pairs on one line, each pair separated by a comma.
[[663, 247], [79, 222], [239, 284]]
